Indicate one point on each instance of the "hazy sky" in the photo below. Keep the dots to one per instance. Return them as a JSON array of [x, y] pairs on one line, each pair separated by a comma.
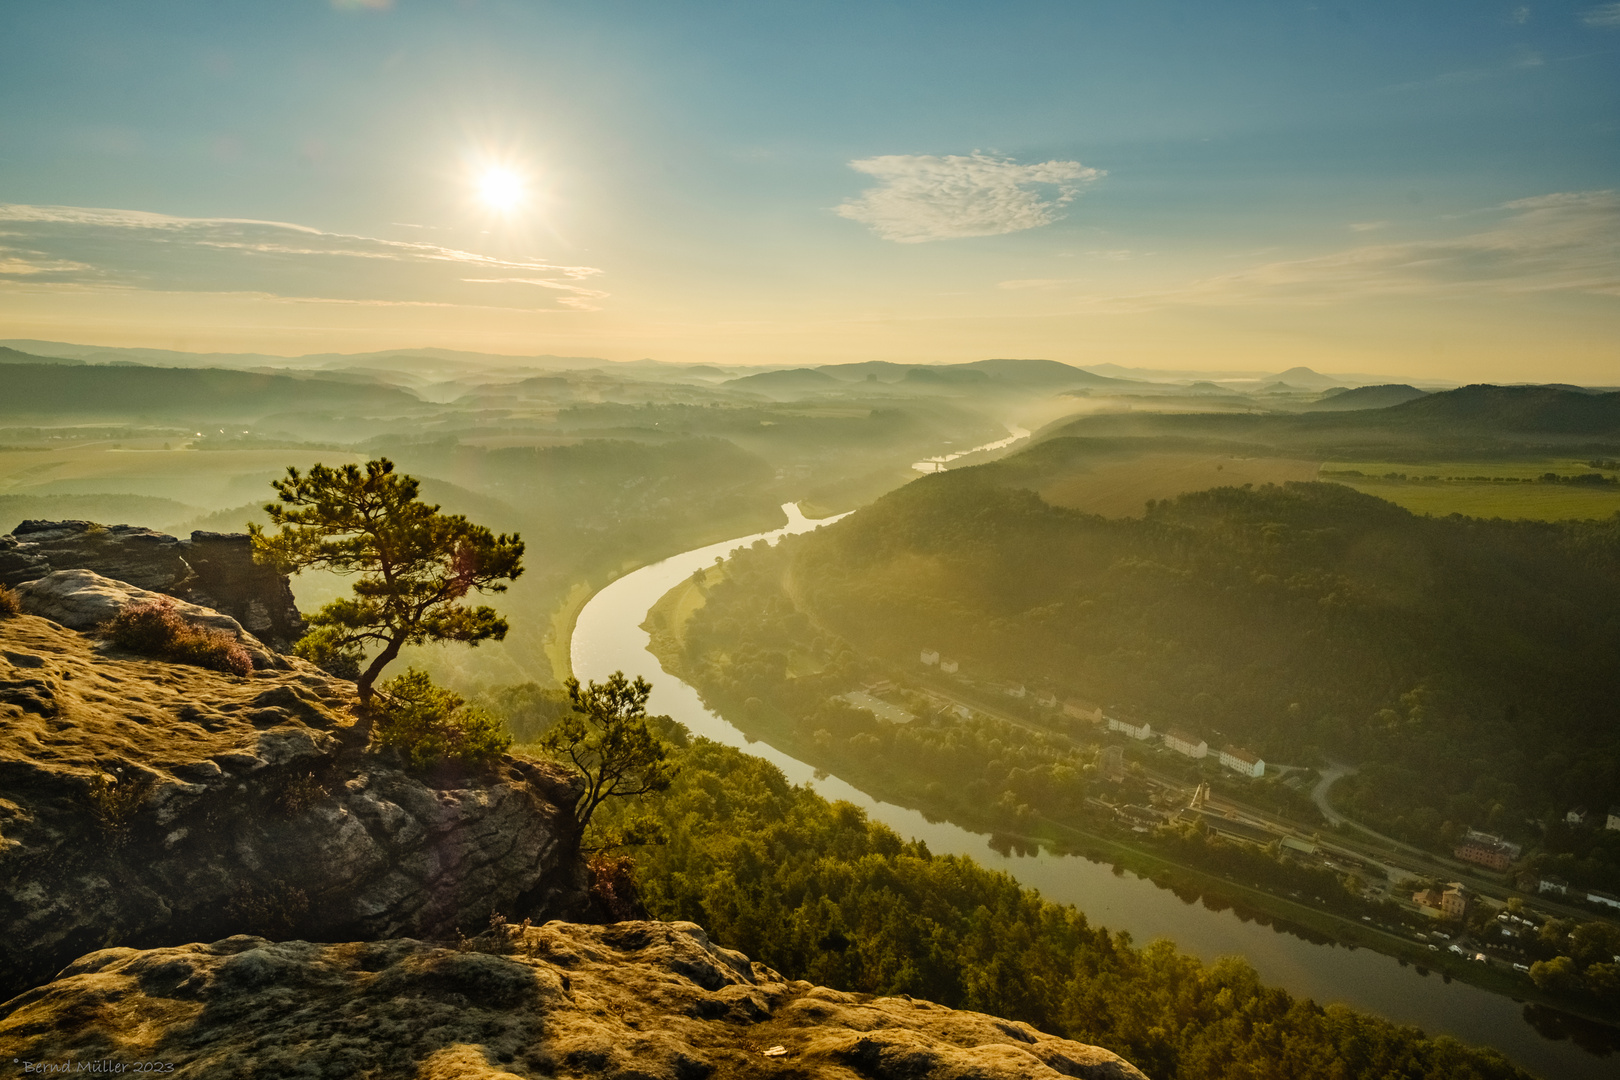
[[1427, 188]]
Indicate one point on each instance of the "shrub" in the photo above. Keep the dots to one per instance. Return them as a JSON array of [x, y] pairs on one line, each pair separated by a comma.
[[155, 628], [429, 724], [615, 896], [9, 604], [115, 800]]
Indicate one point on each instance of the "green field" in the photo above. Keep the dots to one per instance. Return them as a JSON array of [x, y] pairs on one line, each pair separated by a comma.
[[1483, 489]]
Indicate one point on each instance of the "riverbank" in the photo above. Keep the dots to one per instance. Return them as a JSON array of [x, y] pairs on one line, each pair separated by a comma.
[[1552, 1043], [873, 774]]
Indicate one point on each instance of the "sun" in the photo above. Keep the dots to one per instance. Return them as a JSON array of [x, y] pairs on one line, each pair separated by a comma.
[[501, 189]]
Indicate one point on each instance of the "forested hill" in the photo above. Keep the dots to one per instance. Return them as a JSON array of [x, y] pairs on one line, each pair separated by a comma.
[[1470, 663], [53, 388], [1471, 417]]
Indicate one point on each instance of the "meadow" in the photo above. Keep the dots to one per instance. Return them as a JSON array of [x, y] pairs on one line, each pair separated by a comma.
[[1485, 489]]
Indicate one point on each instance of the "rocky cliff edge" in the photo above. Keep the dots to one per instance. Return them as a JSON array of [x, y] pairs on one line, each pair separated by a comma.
[[144, 803], [643, 1000]]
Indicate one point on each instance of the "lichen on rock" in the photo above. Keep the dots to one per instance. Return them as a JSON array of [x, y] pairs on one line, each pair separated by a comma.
[[146, 803], [634, 999]]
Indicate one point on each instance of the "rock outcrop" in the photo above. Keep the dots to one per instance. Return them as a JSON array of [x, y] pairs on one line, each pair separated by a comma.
[[631, 1000], [83, 600], [214, 570], [241, 805]]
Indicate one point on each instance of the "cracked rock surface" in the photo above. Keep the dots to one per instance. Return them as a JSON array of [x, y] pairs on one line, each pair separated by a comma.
[[643, 1000], [212, 570], [145, 803]]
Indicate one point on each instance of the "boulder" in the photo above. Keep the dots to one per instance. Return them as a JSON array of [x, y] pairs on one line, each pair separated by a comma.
[[83, 600], [214, 570], [631, 1000], [149, 804]]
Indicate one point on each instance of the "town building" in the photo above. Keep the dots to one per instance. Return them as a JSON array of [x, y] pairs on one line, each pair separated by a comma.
[[1046, 699], [1015, 690], [1184, 742], [1144, 730], [930, 657], [1595, 896], [1429, 901], [1613, 821], [1454, 901], [1082, 710], [1576, 816], [1486, 851], [1242, 761], [1553, 885], [947, 666]]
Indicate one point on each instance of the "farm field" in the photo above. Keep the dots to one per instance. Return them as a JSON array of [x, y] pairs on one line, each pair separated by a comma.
[[1117, 487], [1537, 502], [1531, 469]]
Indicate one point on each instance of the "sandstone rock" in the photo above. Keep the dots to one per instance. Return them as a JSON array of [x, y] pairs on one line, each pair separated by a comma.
[[631, 1000], [83, 600], [214, 570], [247, 805]]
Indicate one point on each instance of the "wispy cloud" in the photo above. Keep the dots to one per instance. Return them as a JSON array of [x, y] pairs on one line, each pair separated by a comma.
[[1605, 15], [1565, 242], [921, 197], [80, 246]]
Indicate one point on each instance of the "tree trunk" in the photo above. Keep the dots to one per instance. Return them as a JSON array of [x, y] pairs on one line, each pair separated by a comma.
[[369, 677]]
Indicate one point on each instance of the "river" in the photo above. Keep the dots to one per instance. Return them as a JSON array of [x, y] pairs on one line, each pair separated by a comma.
[[608, 638]]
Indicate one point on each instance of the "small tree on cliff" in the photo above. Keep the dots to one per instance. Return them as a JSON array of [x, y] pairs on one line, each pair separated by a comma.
[[416, 566], [606, 738]]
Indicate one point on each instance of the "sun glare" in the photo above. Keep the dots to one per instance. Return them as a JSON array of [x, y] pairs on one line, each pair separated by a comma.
[[501, 189]]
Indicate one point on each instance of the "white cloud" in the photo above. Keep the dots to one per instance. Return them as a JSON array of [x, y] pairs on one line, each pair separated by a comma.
[[1605, 15], [131, 249], [921, 197], [1564, 242]]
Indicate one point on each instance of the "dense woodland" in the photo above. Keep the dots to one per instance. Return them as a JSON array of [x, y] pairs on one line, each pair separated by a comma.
[[818, 892], [1467, 665]]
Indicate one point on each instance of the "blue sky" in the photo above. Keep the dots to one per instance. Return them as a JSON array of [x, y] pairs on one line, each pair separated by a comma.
[[1422, 188]]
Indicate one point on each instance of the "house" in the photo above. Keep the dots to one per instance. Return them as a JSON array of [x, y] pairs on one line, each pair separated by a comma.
[[1014, 690], [1513, 850], [1429, 901], [930, 657], [1613, 821], [1553, 885], [1486, 850], [1576, 816], [947, 666], [1143, 730], [1242, 761], [1454, 901], [1184, 742], [1046, 699], [1082, 710]]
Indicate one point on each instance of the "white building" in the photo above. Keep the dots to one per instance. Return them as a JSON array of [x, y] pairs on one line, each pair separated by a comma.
[[1183, 742], [947, 666], [1242, 761], [1613, 821], [930, 657], [1143, 730]]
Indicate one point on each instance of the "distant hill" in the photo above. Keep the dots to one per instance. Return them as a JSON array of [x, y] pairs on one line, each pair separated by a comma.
[[46, 388], [948, 374], [9, 355], [1517, 409], [1306, 379], [1368, 397], [1042, 373], [1471, 417], [790, 379]]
